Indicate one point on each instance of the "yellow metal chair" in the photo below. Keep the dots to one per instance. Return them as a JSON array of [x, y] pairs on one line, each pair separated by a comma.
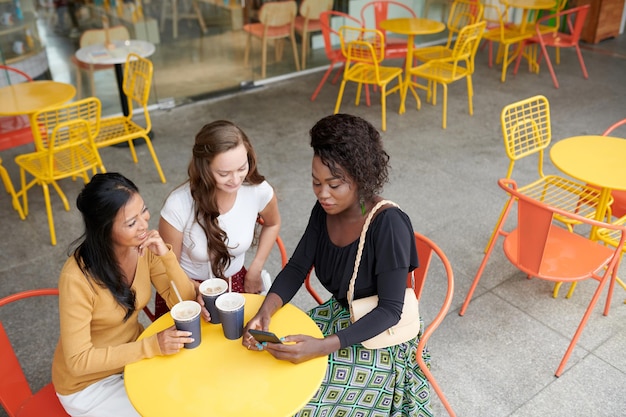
[[364, 50], [462, 13], [120, 129], [8, 185], [527, 131], [448, 70], [502, 31], [65, 142]]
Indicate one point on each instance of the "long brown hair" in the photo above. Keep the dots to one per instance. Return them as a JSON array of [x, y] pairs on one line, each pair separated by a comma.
[[213, 139]]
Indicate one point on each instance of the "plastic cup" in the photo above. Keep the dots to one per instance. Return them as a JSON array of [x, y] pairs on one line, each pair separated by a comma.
[[210, 290], [186, 315], [230, 306]]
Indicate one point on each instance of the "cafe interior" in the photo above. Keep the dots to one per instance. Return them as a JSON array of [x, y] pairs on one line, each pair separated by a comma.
[[544, 331]]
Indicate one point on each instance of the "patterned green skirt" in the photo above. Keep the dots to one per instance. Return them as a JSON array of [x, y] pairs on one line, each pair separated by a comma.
[[361, 382]]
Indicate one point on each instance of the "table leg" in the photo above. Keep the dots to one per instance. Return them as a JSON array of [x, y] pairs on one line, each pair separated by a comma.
[[119, 76], [407, 77], [601, 210]]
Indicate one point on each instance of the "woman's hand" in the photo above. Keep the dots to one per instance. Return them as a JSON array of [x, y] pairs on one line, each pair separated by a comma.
[[154, 243], [301, 348], [172, 340], [204, 312], [258, 322], [252, 283]]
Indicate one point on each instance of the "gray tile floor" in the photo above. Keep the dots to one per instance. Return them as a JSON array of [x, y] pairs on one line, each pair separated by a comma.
[[497, 360]]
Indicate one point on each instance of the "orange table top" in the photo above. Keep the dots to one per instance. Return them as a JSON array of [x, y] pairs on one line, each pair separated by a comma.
[[222, 378], [29, 97], [598, 160], [412, 26]]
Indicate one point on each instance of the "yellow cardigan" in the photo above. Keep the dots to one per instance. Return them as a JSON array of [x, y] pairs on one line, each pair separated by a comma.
[[95, 342]]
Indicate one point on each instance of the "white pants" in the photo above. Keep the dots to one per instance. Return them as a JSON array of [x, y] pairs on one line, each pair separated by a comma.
[[105, 398]]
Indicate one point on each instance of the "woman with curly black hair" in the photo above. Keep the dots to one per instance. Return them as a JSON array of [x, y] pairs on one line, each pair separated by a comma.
[[349, 169]]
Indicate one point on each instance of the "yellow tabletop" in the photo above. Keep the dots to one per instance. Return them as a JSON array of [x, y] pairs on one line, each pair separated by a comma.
[[530, 4], [598, 160], [412, 26], [222, 378], [29, 97]]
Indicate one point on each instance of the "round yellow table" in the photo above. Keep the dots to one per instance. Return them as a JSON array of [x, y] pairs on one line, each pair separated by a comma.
[[597, 160], [222, 378], [411, 26], [526, 6], [29, 97]]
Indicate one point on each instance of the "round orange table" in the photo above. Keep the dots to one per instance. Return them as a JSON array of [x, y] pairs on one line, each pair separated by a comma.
[[29, 97], [222, 378], [411, 26]]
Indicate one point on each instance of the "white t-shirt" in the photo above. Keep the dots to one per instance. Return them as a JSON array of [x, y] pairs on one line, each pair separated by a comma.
[[238, 224]]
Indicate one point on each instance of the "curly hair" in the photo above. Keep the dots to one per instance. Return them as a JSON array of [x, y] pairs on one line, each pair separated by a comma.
[[350, 146], [213, 139]]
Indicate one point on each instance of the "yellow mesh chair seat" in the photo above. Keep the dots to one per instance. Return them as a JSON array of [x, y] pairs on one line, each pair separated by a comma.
[[364, 50], [462, 13], [66, 149], [120, 129], [446, 71]]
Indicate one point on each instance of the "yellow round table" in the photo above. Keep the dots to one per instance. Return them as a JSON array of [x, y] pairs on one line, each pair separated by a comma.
[[411, 26], [597, 160], [526, 6], [222, 378], [29, 97]]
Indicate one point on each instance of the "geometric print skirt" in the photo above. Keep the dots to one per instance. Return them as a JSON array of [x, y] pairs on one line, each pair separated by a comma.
[[362, 382]]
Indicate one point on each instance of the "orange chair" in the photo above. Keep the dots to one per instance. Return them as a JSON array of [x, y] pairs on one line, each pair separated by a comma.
[[332, 45], [540, 248], [575, 19], [364, 50], [276, 22], [14, 130], [380, 10], [16, 397], [425, 250], [308, 21]]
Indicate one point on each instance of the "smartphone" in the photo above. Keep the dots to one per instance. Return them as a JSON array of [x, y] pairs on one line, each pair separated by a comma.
[[262, 336]]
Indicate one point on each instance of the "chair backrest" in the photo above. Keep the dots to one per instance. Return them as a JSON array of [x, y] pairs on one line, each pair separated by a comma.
[[526, 130], [137, 83], [380, 10], [535, 228], [332, 41], [312, 9], [14, 388], [466, 45], [98, 36], [575, 22], [278, 13], [13, 75], [362, 45], [67, 124], [462, 13]]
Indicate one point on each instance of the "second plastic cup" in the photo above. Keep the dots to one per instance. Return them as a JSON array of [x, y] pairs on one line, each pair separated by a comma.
[[186, 315], [230, 306], [210, 290]]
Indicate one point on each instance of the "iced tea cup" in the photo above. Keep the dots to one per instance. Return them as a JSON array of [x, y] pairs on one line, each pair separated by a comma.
[[230, 306], [186, 315], [210, 290]]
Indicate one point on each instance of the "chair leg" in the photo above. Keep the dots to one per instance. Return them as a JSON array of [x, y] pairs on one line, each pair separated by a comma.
[[263, 58], [295, 52], [505, 63], [79, 82], [470, 95], [340, 96], [154, 158], [383, 102], [544, 52], [46, 196], [581, 61], [324, 78], [304, 49], [445, 103], [9, 187]]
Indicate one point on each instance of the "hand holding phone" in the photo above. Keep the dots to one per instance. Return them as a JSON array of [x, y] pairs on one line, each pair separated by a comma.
[[262, 336]]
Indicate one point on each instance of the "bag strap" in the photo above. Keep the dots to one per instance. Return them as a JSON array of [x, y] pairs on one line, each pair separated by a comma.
[[359, 251]]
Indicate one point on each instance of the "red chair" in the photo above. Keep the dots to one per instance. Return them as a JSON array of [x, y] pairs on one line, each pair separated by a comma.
[[425, 250], [332, 45], [394, 47], [15, 394], [575, 19], [14, 130], [543, 249]]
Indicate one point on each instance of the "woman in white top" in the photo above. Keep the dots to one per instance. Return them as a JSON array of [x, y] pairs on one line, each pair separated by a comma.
[[211, 219]]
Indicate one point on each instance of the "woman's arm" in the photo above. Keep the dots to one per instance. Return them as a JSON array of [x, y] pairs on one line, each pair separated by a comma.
[[267, 238], [172, 236]]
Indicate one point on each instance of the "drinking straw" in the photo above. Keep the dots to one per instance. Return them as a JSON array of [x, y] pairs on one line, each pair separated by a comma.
[[230, 284], [176, 291]]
